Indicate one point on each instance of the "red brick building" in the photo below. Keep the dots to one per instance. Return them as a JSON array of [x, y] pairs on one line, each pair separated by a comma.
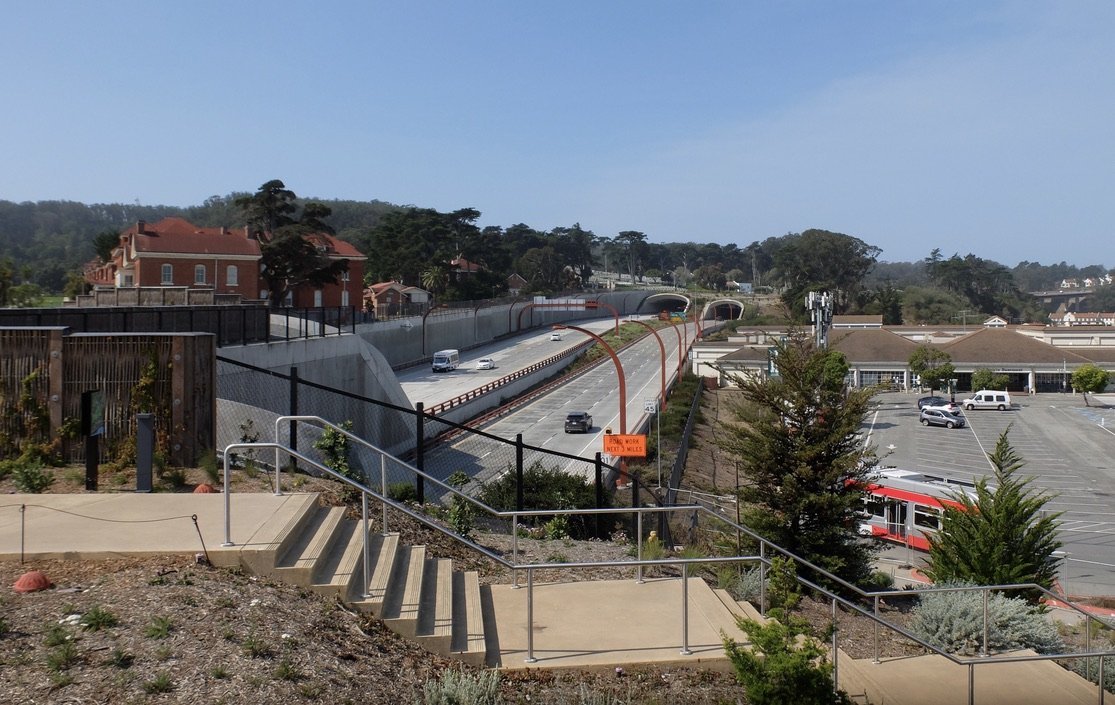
[[175, 252]]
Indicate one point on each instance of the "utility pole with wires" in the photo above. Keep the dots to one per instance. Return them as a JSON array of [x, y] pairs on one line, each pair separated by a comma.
[[963, 317]]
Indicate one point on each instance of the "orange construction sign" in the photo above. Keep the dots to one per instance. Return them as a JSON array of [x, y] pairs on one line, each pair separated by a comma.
[[625, 445]]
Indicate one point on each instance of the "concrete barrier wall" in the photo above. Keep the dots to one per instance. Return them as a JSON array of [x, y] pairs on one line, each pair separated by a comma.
[[345, 362], [414, 340]]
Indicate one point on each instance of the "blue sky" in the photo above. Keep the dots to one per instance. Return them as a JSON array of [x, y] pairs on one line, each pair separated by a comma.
[[973, 127]]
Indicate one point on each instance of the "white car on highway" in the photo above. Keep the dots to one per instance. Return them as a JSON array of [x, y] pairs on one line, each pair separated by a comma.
[[485, 363]]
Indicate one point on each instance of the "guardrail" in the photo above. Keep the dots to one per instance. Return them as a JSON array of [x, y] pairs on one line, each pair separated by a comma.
[[765, 549], [502, 381]]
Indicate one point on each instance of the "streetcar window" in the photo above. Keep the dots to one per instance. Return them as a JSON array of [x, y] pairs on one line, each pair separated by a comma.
[[873, 506], [927, 517]]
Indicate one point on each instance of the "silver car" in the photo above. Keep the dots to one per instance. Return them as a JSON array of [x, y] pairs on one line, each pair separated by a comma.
[[939, 417]]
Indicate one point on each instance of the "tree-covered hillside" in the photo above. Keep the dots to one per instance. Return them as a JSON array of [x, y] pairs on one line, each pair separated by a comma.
[[43, 246]]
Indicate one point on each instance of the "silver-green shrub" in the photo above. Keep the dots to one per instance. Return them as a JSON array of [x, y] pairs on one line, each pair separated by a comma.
[[457, 687], [953, 622]]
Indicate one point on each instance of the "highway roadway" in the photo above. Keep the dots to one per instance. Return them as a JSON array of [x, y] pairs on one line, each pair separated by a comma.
[[542, 420], [1068, 448]]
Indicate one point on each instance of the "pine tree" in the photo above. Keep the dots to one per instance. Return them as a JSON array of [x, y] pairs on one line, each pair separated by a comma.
[[797, 444], [1002, 536]]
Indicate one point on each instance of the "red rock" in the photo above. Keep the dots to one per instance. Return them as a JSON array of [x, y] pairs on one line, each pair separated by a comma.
[[204, 488], [32, 581]]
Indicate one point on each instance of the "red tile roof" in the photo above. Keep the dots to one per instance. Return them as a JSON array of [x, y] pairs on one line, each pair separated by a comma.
[[179, 236]]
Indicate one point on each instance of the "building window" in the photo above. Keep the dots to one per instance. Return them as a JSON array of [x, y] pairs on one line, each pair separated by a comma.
[[168, 274], [317, 297], [344, 297], [231, 275], [199, 274]]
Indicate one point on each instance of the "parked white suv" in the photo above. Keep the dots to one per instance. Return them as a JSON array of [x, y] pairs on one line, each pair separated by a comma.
[[987, 399]]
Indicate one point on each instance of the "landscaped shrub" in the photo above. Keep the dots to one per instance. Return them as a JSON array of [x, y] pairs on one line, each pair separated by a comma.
[[953, 622], [777, 667], [461, 688], [548, 488], [461, 511], [402, 492], [31, 478]]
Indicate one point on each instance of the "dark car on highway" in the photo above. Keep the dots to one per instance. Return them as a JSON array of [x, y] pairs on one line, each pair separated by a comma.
[[940, 417], [578, 422]]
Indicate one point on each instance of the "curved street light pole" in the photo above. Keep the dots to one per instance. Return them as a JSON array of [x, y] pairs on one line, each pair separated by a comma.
[[619, 371], [662, 347], [680, 355]]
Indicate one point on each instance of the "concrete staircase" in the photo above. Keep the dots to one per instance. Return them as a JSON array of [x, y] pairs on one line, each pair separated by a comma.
[[590, 624], [417, 596]]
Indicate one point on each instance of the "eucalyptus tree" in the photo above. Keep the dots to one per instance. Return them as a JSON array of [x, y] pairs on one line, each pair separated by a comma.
[[820, 260]]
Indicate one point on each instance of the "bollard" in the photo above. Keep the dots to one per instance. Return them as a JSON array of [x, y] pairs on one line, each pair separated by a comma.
[[145, 449]]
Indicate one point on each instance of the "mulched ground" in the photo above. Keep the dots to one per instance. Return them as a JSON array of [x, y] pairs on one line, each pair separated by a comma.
[[168, 630]]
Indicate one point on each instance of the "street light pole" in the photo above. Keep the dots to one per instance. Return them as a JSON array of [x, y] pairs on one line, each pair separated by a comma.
[[658, 446], [619, 371], [662, 348]]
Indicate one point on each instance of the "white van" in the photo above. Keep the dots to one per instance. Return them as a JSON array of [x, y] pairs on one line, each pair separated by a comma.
[[446, 360], [987, 399]]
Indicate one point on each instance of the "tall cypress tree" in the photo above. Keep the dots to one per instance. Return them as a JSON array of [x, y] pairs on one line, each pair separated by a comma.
[[797, 443], [1000, 537]]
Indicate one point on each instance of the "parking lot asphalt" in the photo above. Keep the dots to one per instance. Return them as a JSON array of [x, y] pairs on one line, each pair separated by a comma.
[[1069, 451]]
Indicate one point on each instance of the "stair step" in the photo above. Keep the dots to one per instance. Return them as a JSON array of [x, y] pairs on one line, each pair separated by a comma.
[[468, 643], [338, 572], [435, 613], [313, 546], [285, 525], [404, 595], [385, 549], [739, 608]]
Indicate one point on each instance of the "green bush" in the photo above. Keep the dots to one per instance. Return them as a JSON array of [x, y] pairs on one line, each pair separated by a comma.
[[211, 467], [98, 618], [783, 589], [31, 478], [461, 510], [161, 683], [953, 622], [547, 488], [402, 492], [461, 688], [776, 667], [879, 580]]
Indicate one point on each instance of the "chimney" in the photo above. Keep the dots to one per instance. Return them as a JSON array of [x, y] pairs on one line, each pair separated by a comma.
[[248, 232], [224, 230], [140, 227]]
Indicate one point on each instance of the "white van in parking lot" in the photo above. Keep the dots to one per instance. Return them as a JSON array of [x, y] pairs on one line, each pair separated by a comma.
[[987, 399]]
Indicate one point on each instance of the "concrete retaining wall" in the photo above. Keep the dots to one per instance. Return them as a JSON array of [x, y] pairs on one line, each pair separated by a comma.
[[413, 341]]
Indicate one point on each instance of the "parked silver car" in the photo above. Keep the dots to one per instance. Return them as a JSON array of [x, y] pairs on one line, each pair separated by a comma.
[[939, 417]]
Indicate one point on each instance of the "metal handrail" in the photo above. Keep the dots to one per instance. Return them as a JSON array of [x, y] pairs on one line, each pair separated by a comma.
[[639, 563]]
